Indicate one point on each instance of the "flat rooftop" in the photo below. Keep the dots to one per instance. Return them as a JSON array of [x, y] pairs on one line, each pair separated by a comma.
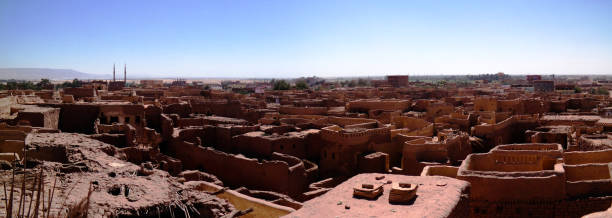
[[592, 118], [437, 196]]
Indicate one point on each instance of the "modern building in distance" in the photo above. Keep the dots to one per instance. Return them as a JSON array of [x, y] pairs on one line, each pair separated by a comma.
[[398, 80], [152, 83], [531, 78], [544, 86]]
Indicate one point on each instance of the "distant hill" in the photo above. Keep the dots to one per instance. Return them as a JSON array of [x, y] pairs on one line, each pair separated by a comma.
[[39, 73]]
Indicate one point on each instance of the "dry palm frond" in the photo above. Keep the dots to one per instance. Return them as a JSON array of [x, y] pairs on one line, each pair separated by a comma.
[[80, 209]]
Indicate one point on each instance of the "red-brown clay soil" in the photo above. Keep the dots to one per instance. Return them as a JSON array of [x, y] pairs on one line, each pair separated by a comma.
[[119, 187]]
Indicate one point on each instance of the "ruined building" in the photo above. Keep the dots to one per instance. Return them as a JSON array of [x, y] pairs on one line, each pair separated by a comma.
[[178, 149]]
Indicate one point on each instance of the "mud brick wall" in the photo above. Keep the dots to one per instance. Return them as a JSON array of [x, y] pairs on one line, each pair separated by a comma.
[[78, 118], [272, 175]]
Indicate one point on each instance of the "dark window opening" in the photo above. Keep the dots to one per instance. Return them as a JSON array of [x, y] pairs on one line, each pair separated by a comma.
[[114, 119], [102, 118], [282, 147], [333, 156], [127, 120], [137, 120]]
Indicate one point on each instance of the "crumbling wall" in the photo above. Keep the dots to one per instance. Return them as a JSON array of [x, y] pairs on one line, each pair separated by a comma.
[[167, 127], [382, 115], [558, 106], [186, 122], [485, 104], [550, 137], [438, 109], [261, 208], [377, 162], [514, 106], [420, 153], [78, 118], [40, 117], [456, 121], [80, 92], [303, 110], [271, 175], [593, 142], [153, 117], [12, 141], [508, 131], [182, 109], [582, 104], [515, 173], [448, 171], [120, 135], [458, 147], [366, 105], [411, 126], [345, 121], [220, 107], [526, 184], [535, 106], [5, 105], [539, 208], [586, 157]]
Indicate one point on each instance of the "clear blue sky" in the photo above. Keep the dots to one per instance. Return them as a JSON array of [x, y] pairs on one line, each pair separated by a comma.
[[285, 38]]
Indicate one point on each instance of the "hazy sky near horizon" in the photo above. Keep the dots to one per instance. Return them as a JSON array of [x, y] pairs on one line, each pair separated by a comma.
[[287, 38]]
